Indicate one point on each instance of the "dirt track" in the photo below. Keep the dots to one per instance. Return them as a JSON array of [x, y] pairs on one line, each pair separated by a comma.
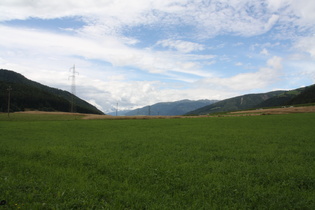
[[286, 110], [89, 117], [54, 113], [96, 116]]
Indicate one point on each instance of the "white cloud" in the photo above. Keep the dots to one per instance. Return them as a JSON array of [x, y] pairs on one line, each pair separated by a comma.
[[249, 81], [246, 17], [109, 58], [264, 52], [94, 103], [238, 44], [304, 9], [110, 49], [306, 44], [39, 55], [181, 46]]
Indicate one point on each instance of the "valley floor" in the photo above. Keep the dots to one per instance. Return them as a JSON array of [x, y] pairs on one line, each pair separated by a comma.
[[246, 162]]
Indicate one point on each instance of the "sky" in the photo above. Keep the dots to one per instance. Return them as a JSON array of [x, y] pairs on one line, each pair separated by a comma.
[[140, 52]]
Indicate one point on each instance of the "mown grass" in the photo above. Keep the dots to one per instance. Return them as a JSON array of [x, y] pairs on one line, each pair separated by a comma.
[[257, 162]]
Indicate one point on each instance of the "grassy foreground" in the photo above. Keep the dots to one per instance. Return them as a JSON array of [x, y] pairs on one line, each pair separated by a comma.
[[257, 162]]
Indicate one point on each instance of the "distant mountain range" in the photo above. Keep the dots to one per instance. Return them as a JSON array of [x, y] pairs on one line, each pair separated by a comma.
[[30, 95], [170, 108], [119, 112], [252, 101]]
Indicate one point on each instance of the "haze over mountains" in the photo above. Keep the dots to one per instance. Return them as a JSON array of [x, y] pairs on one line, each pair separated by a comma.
[[171, 108]]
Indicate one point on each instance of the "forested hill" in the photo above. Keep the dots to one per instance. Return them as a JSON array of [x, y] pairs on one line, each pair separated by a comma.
[[305, 95], [30, 95], [237, 103]]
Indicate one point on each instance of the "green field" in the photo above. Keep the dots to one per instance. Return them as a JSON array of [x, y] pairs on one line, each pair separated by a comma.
[[253, 162]]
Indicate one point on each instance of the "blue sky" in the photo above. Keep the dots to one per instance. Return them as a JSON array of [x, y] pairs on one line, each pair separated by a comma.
[[141, 52]]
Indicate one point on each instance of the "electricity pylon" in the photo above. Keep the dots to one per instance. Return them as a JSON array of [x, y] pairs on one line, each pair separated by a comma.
[[9, 99], [73, 91], [117, 109]]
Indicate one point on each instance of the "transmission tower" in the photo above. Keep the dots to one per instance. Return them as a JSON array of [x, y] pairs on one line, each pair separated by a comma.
[[9, 99], [73, 73], [117, 109]]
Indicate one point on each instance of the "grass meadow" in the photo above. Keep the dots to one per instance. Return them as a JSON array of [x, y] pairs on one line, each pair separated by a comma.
[[249, 162]]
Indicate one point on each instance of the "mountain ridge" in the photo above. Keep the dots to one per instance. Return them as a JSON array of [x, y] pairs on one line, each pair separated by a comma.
[[28, 94], [303, 95], [170, 108], [235, 103]]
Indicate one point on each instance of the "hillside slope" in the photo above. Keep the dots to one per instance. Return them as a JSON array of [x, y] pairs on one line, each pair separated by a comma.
[[282, 99], [170, 108], [237, 103], [306, 96], [27, 94]]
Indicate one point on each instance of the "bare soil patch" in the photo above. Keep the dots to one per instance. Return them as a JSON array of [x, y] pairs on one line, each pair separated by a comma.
[[52, 113], [284, 110], [144, 117], [96, 116]]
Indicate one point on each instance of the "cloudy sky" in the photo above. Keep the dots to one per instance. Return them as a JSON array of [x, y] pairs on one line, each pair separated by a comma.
[[140, 52]]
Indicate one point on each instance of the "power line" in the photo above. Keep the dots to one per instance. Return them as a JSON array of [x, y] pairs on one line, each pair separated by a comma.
[[9, 99], [117, 109], [73, 89]]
